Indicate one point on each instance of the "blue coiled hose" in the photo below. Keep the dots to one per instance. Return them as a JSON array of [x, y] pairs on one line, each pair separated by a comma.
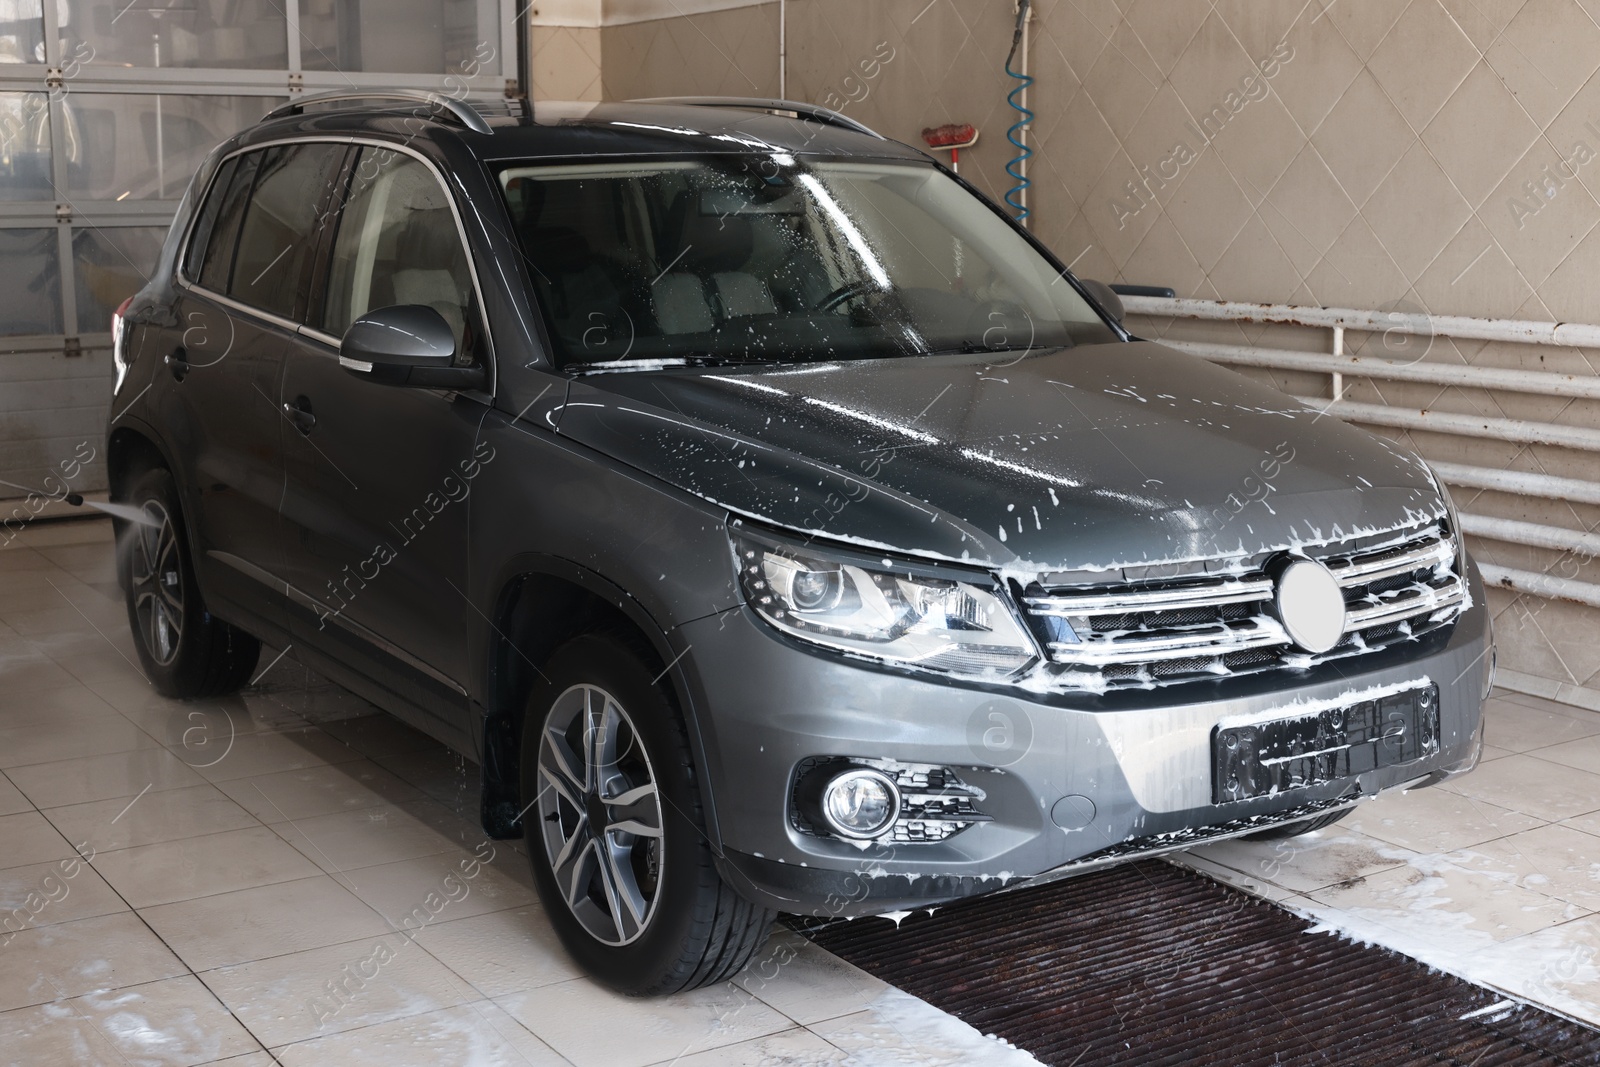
[[1013, 195]]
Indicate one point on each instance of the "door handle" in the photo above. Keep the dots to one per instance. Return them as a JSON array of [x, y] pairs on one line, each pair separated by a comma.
[[299, 413], [178, 363]]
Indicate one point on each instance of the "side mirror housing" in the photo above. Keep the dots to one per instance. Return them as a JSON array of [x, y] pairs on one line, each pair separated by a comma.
[[1103, 295], [406, 344]]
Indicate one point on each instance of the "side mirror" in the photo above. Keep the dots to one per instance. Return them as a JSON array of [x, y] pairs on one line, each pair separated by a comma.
[[1103, 295], [406, 344]]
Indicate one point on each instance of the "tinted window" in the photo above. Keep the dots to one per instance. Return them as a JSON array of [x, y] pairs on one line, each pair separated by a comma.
[[281, 225], [223, 238], [206, 219], [398, 244]]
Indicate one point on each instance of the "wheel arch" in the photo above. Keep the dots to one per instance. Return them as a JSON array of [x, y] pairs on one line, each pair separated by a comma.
[[130, 450], [539, 603]]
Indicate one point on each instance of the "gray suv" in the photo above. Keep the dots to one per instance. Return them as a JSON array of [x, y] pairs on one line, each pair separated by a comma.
[[778, 525]]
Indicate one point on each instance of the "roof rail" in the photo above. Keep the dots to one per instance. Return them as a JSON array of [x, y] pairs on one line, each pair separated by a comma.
[[460, 110], [815, 112]]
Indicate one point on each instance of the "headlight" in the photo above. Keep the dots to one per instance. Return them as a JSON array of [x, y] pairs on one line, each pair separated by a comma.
[[888, 613], [1455, 522]]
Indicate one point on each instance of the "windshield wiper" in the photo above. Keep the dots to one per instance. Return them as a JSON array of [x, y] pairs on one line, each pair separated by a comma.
[[694, 359], [709, 359], [977, 348]]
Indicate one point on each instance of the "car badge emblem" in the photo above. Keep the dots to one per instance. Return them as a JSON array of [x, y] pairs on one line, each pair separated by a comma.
[[1310, 605]]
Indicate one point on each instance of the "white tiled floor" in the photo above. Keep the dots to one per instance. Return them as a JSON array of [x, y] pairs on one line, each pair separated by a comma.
[[1494, 876], [255, 859]]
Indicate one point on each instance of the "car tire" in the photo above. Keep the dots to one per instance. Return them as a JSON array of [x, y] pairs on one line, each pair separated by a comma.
[[644, 912], [185, 650], [1296, 829]]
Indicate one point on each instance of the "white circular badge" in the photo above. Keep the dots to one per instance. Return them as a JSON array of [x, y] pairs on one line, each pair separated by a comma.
[[1310, 605]]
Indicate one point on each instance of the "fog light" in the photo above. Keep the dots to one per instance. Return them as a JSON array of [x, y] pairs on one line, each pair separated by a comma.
[[860, 803]]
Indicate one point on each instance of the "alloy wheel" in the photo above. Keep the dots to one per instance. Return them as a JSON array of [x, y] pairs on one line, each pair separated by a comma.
[[157, 574], [601, 814]]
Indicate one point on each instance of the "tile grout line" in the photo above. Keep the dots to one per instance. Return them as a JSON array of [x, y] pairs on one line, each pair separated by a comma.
[[271, 828], [181, 962]]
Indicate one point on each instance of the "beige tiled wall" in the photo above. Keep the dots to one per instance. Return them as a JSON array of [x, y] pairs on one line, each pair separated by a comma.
[[727, 53], [1393, 154], [565, 62]]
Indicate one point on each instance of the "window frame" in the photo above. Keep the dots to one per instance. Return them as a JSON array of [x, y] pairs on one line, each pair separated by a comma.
[[194, 253], [322, 273], [325, 203], [324, 250]]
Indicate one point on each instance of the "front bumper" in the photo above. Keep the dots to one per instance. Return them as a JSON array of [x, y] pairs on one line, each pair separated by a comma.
[[1070, 782]]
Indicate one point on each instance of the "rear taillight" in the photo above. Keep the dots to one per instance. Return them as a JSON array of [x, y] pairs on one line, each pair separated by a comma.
[[119, 352]]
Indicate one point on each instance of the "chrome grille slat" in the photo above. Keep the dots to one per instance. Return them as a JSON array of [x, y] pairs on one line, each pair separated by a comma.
[[1362, 571], [1212, 594], [918, 796], [1195, 627], [1212, 641], [1423, 599]]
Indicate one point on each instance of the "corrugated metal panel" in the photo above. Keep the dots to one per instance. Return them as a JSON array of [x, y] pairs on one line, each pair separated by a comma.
[[106, 120], [52, 407]]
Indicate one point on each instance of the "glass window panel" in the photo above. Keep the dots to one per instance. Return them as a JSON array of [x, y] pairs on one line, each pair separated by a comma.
[[280, 226], [250, 34], [21, 31], [30, 301], [214, 270], [731, 258], [111, 263], [147, 147], [205, 220], [398, 244], [25, 147], [458, 37]]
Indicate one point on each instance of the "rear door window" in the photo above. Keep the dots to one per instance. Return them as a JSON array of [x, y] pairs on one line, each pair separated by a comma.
[[215, 252], [205, 220], [282, 224]]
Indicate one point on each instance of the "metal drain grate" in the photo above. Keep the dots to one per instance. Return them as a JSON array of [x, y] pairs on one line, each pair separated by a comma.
[[1152, 965]]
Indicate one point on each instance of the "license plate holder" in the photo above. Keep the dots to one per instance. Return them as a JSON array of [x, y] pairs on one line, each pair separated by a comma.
[[1257, 759]]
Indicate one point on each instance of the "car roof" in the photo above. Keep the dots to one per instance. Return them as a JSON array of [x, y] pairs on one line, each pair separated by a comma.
[[677, 126]]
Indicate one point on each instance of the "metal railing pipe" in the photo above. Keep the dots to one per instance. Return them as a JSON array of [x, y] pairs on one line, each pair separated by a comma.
[[1532, 534], [1521, 331], [1521, 483], [1518, 431], [1542, 585], [1338, 366], [1544, 383]]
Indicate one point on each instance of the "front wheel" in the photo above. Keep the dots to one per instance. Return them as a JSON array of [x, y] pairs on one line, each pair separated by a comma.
[[184, 649], [615, 829]]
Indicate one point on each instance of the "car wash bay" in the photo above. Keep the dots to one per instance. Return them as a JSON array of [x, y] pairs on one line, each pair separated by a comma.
[[290, 874], [1385, 210]]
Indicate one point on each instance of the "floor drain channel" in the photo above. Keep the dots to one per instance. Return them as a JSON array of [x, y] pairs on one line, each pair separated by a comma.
[[1153, 965]]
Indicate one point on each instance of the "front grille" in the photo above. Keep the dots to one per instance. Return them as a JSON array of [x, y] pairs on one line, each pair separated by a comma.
[[1151, 633]]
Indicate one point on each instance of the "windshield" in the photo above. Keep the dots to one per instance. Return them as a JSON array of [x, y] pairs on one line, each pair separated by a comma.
[[756, 259]]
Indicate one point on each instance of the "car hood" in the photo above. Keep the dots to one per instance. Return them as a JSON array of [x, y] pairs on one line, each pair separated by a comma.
[[1090, 458]]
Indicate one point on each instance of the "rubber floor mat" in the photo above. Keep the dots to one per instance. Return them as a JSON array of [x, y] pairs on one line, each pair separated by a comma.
[[1154, 965]]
